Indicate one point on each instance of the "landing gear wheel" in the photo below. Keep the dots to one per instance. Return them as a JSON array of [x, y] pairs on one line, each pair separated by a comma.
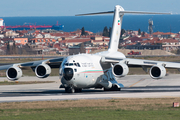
[[69, 90], [106, 89], [78, 90], [114, 88], [118, 89], [66, 90]]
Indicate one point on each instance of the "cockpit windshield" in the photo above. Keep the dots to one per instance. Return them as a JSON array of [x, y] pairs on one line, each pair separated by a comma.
[[72, 64], [78, 65]]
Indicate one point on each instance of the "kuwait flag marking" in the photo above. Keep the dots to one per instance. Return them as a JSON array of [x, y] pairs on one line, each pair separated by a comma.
[[118, 22]]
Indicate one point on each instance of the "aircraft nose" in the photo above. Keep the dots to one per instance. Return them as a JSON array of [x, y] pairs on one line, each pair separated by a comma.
[[68, 74]]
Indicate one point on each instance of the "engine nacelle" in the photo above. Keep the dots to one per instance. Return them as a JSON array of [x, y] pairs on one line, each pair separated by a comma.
[[120, 70], [157, 72], [42, 71], [13, 73]]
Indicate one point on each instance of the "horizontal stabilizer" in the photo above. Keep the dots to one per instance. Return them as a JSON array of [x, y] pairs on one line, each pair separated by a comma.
[[108, 12], [129, 12], [141, 12]]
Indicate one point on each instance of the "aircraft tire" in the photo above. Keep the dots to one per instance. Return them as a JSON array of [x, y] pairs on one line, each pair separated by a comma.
[[69, 90], [78, 90], [115, 88], [107, 89], [72, 90]]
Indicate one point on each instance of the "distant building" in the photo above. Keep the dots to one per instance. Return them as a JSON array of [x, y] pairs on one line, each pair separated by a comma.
[[42, 40], [73, 42], [76, 49], [1, 22], [164, 35], [22, 41], [10, 33], [134, 39]]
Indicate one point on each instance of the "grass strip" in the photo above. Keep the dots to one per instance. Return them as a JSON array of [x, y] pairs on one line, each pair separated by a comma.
[[125, 108]]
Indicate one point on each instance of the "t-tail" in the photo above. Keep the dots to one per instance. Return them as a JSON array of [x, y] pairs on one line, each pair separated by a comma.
[[117, 23]]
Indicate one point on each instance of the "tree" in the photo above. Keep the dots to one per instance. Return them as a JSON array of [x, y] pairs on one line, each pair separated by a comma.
[[14, 50], [143, 34], [122, 32], [82, 49], [106, 32], [139, 32], [8, 48], [110, 31], [178, 51], [83, 31]]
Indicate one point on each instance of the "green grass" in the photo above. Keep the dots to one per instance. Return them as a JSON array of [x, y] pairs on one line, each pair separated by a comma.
[[110, 109], [91, 113]]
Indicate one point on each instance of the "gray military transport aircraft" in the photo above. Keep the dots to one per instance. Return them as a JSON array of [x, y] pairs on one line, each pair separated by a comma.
[[98, 70]]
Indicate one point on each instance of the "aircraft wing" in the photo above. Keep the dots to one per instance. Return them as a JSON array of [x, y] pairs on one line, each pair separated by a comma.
[[42, 68], [141, 62], [157, 68]]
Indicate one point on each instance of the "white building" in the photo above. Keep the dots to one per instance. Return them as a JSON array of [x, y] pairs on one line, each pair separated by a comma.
[[1, 22]]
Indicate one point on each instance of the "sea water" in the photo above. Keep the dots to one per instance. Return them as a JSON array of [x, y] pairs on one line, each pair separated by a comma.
[[162, 23]]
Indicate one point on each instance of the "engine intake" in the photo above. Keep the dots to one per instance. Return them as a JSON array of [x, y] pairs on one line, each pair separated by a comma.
[[157, 72], [13, 73], [42, 71], [120, 70]]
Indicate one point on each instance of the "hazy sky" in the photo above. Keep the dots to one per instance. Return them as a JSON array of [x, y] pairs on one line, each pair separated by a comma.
[[72, 7]]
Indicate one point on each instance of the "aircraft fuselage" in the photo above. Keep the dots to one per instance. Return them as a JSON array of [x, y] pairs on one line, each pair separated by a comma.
[[84, 70]]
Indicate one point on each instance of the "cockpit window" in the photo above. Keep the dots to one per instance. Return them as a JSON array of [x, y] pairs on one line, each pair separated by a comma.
[[70, 64], [78, 65]]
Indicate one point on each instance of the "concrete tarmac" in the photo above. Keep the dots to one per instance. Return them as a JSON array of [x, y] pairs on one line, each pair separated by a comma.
[[136, 86]]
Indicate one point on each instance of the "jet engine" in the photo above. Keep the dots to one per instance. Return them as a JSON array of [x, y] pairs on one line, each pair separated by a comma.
[[13, 73], [42, 71], [120, 70], [157, 72]]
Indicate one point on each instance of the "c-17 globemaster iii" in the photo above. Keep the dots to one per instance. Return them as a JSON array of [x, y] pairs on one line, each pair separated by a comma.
[[98, 70]]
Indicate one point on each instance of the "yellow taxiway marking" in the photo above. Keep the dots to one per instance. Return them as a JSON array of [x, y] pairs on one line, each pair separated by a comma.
[[137, 82]]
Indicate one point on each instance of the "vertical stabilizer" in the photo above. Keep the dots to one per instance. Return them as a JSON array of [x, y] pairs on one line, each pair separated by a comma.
[[117, 23], [116, 29]]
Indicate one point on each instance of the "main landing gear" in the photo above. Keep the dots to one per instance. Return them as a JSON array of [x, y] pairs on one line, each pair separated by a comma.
[[72, 90], [114, 88]]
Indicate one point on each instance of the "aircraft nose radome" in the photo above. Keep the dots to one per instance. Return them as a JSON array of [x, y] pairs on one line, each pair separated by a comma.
[[68, 74]]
